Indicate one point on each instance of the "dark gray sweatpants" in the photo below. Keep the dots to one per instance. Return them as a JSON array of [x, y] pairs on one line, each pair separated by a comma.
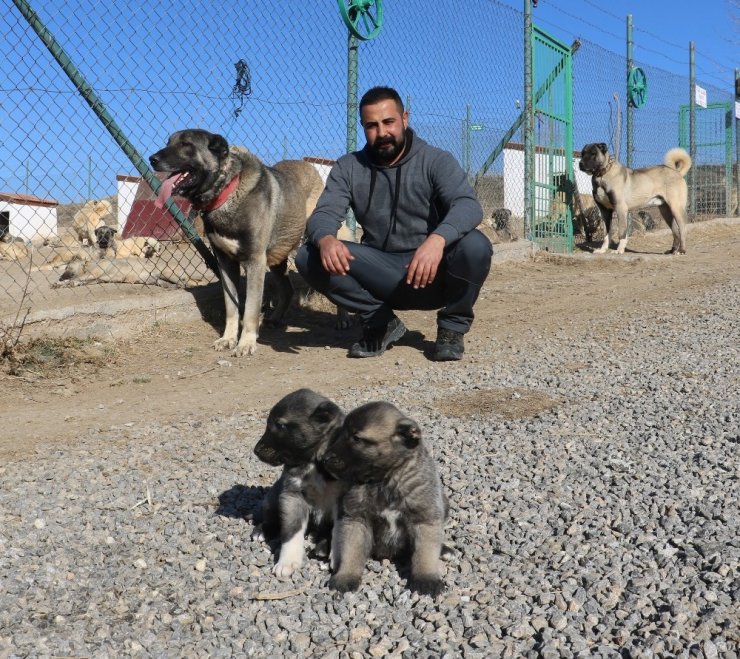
[[376, 282]]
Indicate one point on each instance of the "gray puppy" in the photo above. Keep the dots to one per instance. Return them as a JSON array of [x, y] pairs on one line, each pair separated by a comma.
[[394, 505], [299, 428], [621, 189]]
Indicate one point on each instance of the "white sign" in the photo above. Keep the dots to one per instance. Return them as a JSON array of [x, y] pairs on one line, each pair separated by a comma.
[[700, 96], [737, 109]]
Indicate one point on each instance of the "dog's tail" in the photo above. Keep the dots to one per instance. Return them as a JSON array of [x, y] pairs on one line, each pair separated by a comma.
[[679, 160]]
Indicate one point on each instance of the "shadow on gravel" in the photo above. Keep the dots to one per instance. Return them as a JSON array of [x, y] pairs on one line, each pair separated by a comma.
[[240, 501]]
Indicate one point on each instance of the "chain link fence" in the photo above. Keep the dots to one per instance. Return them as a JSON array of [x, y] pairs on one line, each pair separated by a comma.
[[271, 76]]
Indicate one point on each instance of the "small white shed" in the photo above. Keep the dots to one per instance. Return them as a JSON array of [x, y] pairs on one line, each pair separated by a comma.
[[27, 217]]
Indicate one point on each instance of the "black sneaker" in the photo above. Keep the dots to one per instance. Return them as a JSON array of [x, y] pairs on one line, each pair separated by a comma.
[[375, 340], [449, 346]]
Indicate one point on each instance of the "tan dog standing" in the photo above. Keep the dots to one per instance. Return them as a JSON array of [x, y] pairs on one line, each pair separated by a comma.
[[253, 215], [621, 189]]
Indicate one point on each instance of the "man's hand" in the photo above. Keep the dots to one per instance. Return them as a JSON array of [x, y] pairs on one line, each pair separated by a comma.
[[423, 267], [335, 255]]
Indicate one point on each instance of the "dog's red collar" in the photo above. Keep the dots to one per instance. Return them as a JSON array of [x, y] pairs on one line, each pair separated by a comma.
[[220, 200]]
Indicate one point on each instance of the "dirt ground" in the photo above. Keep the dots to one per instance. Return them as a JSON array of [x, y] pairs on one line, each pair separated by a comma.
[[170, 372]]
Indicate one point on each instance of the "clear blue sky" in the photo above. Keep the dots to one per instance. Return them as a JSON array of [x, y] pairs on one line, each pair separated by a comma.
[[163, 66], [662, 30]]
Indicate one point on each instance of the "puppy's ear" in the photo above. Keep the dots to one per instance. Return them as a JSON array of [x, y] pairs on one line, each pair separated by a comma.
[[603, 148], [218, 145], [409, 432], [326, 412]]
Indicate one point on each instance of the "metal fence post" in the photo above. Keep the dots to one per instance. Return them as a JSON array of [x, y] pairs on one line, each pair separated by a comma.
[[630, 110], [692, 130], [352, 68], [528, 127], [737, 141]]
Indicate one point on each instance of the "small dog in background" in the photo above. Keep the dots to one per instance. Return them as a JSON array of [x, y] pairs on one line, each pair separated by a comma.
[[136, 246], [92, 215], [299, 428], [394, 504], [621, 189]]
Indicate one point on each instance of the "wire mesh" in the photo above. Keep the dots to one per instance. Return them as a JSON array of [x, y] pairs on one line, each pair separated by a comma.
[[271, 76]]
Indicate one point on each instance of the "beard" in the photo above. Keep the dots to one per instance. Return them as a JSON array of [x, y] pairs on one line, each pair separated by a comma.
[[386, 150]]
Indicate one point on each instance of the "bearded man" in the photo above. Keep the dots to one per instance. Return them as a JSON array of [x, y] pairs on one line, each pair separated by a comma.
[[420, 248]]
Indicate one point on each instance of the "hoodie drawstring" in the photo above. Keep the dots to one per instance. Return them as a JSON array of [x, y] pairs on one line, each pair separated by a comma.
[[394, 207]]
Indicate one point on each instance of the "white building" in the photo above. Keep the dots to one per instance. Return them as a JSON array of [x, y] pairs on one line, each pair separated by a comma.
[[545, 171], [27, 217]]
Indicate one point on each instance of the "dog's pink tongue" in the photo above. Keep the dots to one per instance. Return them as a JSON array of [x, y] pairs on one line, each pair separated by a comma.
[[165, 190]]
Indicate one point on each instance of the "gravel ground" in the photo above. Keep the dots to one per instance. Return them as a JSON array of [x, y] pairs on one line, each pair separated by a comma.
[[606, 524]]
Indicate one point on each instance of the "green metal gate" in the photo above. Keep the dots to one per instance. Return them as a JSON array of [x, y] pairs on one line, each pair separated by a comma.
[[711, 179], [551, 187]]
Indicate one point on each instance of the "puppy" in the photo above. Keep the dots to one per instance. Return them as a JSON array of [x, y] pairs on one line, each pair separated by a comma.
[[621, 189], [394, 505], [299, 428]]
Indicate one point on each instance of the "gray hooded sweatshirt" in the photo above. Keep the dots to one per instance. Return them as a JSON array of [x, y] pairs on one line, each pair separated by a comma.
[[425, 192]]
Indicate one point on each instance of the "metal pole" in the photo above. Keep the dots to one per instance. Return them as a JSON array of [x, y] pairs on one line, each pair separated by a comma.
[[97, 106], [737, 143], [528, 126], [352, 50], [466, 139], [692, 131], [630, 109]]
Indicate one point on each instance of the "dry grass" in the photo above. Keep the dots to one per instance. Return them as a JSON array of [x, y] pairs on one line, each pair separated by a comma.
[[47, 357]]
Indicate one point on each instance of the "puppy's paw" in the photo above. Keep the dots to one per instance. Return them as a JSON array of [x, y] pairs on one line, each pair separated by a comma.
[[601, 250], [284, 569], [224, 343], [426, 585], [344, 583], [258, 534]]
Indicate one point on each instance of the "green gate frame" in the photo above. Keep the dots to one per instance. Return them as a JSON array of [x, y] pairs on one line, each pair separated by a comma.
[[552, 69], [705, 115]]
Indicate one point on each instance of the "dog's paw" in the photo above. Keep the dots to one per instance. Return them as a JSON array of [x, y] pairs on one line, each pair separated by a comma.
[[426, 585], [344, 583], [283, 570], [247, 344], [224, 343]]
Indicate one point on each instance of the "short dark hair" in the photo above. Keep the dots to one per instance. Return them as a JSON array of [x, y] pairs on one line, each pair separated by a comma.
[[377, 94]]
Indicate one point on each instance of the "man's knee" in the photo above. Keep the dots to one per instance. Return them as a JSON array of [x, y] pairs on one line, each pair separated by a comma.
[[471, 257]]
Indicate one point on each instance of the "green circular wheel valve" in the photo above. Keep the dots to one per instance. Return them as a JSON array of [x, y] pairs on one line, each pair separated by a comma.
[[363, 18], [637, 87]]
